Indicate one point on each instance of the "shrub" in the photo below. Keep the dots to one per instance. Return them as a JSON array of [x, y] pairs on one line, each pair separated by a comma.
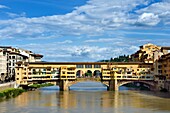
[[8, 93]]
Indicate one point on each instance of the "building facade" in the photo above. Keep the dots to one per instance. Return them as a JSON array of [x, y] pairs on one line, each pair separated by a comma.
[[30, 72], [148, 53], [9, 56], [3, 65]]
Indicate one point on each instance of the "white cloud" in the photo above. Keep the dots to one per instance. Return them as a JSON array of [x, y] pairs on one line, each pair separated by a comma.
[[67, 51], [58, 51], [14, 15], [66, 42], [148, 19], [3, 6], [103, 40], [92, 19], [161, 9], [96, 18]]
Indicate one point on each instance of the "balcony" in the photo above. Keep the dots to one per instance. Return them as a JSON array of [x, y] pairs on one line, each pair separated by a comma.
[[106, 77]]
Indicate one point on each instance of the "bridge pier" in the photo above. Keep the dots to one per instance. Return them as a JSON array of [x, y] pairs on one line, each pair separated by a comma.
[[113, 85], [64, 85]]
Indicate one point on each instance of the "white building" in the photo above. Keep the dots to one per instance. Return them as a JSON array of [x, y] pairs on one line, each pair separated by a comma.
[[3, 65], [10, 56]]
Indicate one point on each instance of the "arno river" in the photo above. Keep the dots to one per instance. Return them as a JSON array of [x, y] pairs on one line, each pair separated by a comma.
[[87, 100]]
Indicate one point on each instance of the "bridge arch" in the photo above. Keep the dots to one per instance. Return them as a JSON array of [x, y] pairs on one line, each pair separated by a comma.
[[71, 84], [88, 73], [79, 73], [150, 84], [97, 74]]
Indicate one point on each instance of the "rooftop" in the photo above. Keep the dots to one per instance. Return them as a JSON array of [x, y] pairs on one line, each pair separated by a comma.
[[100, 63]]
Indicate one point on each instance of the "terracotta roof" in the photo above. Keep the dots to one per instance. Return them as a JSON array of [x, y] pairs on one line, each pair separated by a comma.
[[5, 47], [37, 55], [20, 62], [166, 48]]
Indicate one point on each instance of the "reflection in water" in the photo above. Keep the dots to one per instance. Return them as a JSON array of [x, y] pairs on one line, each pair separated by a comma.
[[53, 101]]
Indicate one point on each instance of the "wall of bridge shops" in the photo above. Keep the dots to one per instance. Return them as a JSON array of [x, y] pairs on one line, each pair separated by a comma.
[[25, 70]]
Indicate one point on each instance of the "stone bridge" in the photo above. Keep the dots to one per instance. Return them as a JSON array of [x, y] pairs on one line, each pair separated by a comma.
[[66, 74], [112, 85]]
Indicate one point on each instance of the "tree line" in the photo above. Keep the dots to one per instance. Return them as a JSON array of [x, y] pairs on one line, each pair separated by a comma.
[[122, 58]]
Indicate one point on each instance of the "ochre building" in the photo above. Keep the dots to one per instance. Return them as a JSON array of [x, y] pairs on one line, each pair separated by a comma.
[[28, 73]]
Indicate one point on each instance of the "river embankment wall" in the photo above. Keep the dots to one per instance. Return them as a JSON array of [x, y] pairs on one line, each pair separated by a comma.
[[167, 85], [7, 85]]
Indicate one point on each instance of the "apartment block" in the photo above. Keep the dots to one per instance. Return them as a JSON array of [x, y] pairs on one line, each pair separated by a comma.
[[148, 53], [9, 56], [3, 65]]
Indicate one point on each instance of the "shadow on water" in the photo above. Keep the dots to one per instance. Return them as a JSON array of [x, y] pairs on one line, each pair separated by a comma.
[[88, 86], [81, 86], [97, 86], [84, 86]]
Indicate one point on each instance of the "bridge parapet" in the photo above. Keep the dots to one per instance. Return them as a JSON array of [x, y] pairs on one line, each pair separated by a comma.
[[88, 79], [132, 77]]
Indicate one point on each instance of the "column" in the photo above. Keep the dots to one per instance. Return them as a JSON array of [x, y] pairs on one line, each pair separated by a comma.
[[63, 85], [113, 86]]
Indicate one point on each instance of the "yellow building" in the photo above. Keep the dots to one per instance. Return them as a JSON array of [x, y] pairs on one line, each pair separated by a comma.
[[27, 73], [164, 65], [146, 53]]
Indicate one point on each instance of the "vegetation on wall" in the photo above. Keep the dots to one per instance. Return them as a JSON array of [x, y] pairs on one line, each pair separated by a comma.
[[41, 85], [9, 93]]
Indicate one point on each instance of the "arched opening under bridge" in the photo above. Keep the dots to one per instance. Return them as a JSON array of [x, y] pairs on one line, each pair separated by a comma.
[[88, 86], [88, 73], [135, 85], [97, 74], [79, 74]]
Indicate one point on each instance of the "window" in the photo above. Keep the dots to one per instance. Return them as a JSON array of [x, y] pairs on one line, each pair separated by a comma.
[[70, 73], [159, 66], [160, 71], [24, 77], [79, 66], [9, 63], [34, 71], [88, 66], [13, 57], [128, 72], [48, 69], [97, 66]]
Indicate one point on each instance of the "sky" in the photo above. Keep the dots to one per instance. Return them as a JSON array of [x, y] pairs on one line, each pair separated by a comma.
[[84, 30]]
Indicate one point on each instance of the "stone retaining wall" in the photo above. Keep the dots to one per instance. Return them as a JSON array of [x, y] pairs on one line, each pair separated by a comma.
[[7, 85]]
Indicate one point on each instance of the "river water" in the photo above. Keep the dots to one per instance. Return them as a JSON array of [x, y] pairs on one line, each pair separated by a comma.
[[94, 100]]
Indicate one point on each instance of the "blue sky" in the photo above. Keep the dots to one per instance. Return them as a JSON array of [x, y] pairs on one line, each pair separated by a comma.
[[84, 30]]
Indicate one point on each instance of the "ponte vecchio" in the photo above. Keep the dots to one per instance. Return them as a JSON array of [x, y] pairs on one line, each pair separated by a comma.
[[66, 74]]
